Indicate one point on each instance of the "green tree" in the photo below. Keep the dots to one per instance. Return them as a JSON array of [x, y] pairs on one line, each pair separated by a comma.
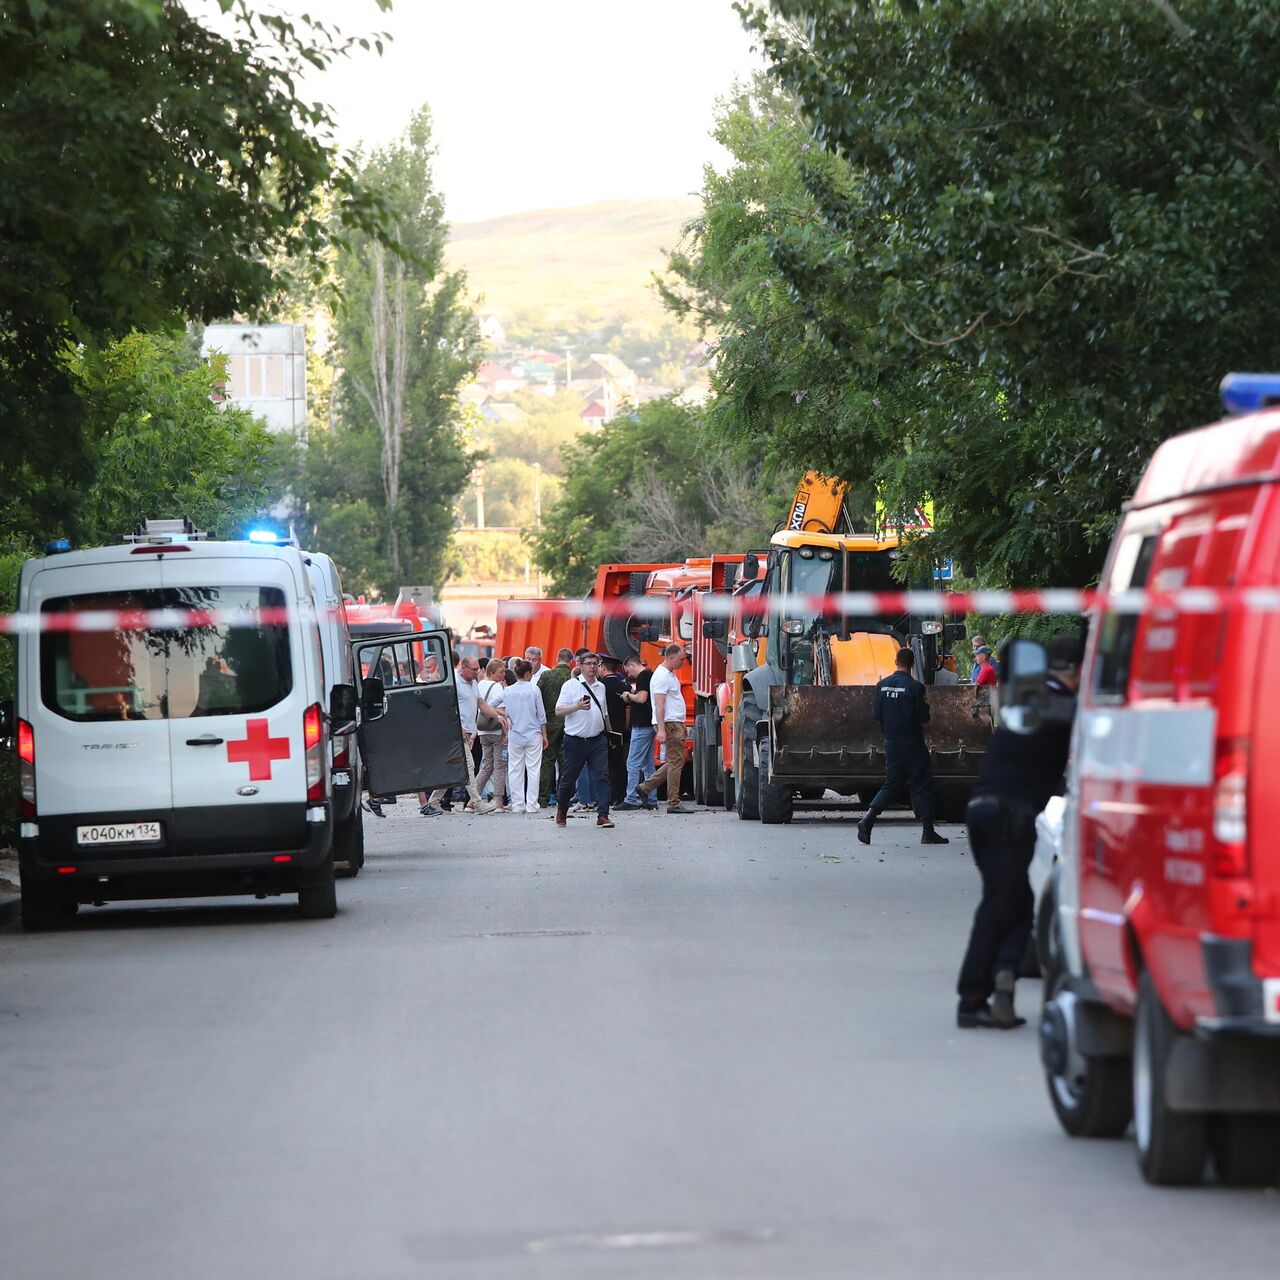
[[159, 446], [382, 485], [1058, 220], [154, 170], [651, 485]]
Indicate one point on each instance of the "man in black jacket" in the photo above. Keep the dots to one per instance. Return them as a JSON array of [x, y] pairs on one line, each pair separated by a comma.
[[1020, 771], [902, 712]]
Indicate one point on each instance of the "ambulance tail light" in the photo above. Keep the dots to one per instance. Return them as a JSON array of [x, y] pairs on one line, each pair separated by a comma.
[[313, 749], [342, 752], [1231, 808], [26, 770]]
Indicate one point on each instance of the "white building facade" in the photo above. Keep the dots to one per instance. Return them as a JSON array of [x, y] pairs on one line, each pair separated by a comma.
[[266, 370]]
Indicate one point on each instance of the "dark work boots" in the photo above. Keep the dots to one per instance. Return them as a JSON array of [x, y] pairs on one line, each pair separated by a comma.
[[930, 836], [864, 827]]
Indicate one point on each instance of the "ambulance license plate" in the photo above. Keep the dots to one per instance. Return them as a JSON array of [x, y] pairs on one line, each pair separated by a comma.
[[118, 833]]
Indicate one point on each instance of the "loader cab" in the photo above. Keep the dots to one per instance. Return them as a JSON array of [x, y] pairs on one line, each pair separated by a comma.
[[811, 644]]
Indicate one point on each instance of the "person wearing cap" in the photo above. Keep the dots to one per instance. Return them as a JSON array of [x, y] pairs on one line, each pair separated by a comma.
[[984, 670], [1019, 773]]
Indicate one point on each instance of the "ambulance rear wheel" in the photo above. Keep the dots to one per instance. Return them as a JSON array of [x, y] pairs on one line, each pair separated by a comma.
[[318, 897], [777, 801], [348, 842], [1172, 1145], [45, 907], [1246, 1149]]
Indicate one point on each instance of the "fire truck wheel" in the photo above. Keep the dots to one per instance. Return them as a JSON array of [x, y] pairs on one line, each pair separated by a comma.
[[776, 802], [1172, 1145], [1091, 1096], [318, 896], [348, 843], [1246, 1149]]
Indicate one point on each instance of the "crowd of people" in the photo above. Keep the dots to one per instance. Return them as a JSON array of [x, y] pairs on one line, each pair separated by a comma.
[[580, 732]]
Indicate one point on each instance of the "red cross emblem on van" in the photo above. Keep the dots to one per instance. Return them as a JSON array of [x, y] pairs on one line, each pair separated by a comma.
[[258, 749]]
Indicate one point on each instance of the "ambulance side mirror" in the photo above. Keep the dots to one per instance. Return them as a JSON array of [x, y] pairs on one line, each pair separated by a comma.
[[1021, 693], [373, 696], [342, 708]]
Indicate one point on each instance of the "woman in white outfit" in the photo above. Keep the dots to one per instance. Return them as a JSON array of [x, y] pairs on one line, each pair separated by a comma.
[[493, 690], [526, 739]]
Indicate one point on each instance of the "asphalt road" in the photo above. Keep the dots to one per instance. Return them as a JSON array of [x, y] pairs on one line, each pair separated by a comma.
[[684, 1048]]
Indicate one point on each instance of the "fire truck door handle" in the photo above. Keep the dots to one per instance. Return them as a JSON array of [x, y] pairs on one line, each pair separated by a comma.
[[208, 740]]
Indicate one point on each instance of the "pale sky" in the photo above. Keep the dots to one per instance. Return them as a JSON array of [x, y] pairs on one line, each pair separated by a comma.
[[539, 105]]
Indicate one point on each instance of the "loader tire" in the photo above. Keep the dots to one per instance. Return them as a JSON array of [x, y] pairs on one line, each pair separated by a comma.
[[777, 801]]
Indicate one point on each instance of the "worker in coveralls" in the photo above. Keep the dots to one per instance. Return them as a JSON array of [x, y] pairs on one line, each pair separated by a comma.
[[1020, 771], [902, 712]]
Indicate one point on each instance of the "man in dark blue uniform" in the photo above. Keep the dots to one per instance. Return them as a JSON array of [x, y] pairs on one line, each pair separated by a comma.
[[902, 712]]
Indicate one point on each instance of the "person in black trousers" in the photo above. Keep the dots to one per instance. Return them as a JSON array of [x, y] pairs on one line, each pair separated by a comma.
[[902, 711], [615, 684], [1019, 773]]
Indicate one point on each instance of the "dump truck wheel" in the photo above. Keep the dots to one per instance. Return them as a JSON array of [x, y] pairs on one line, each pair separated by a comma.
[[776, 802], [746, 799], [712, 770], [699, 787]]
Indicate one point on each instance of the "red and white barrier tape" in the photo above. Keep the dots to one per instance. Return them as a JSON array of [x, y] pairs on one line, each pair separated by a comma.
[[849, 604]]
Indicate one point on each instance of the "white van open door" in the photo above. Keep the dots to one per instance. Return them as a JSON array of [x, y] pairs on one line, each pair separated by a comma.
[[410, 732]]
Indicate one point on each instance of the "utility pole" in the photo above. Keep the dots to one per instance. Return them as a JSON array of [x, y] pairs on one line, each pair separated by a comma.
[[479, 475]]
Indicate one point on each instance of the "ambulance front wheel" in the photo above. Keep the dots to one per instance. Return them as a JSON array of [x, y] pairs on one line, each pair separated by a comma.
[[318, 895]]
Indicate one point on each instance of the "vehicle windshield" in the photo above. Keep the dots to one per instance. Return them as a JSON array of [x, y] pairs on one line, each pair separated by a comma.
[[172, 674], [815, 571]]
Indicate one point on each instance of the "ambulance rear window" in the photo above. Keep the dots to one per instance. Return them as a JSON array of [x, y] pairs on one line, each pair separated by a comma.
[[157, 675]]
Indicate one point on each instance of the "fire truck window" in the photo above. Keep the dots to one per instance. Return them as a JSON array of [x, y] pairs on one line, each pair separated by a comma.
[[1117, 630]]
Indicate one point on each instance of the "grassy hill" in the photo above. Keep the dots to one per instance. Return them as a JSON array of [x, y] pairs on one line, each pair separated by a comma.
[[593, 260]]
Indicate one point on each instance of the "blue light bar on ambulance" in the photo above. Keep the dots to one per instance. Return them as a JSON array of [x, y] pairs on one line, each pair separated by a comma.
[[268, 537], [1249, 392]]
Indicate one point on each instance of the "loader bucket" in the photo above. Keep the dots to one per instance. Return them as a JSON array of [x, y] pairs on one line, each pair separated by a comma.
[[829, 732]]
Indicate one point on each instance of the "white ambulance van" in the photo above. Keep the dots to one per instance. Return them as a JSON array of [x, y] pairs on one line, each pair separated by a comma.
[[196, 755]]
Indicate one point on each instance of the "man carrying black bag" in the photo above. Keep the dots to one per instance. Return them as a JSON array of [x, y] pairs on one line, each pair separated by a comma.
[[1019, 773]]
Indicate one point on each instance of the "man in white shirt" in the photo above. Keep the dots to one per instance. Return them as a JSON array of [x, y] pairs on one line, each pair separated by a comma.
[[533, 656], [668, 721], [581, 702]]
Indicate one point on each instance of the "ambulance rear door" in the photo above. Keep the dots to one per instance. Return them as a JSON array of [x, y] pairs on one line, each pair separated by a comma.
[[237, 697], [410, 738]]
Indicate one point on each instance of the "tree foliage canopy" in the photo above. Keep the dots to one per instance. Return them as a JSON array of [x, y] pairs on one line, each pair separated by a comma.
[[1020, 244], [651, 485], [154, 171], [403, 324]]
